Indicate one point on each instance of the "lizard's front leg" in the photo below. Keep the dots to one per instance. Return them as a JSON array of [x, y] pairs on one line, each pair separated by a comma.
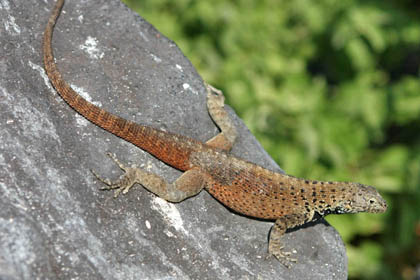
[[275, 246], [189, 184], [215, 104]]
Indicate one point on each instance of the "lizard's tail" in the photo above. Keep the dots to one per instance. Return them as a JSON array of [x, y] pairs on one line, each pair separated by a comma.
[[170, 148]]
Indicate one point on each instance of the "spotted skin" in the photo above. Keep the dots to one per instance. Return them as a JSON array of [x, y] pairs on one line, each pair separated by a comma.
[[240, 185]]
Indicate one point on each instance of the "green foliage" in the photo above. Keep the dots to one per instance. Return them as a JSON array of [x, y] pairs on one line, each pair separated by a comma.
[[331, 89]]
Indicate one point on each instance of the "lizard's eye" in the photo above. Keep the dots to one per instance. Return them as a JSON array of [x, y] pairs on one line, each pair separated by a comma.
[[372, 201]]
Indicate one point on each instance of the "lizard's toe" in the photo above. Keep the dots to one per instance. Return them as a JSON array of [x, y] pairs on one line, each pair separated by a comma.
[[282, 256], [122, 185]]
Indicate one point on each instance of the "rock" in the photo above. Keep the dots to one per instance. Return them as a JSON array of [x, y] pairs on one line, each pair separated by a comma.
[[55, 223]]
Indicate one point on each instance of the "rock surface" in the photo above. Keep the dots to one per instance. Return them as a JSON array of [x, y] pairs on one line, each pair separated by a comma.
[[54, 221]]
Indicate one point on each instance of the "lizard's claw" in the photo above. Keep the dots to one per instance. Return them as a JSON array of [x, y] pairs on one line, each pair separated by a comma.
[[123, 184], [283, 257]]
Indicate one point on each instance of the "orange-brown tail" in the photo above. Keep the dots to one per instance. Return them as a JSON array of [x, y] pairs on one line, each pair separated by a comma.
[[170, 148]]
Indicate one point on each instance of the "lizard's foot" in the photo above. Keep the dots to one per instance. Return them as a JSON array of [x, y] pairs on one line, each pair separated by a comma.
[[215, 96], [124, 183], [215, 104], [283, 257]]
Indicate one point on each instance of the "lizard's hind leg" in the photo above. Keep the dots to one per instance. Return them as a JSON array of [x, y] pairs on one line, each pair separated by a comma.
[[215, 104], [189, 184]]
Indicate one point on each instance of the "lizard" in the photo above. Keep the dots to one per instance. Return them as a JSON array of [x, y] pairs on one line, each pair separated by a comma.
[[242, 186]]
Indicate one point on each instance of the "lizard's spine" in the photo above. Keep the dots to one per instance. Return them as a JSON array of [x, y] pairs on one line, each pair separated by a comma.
[[170, 148]]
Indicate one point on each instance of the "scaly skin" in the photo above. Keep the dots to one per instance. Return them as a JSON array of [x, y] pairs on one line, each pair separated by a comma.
[[243, 186]]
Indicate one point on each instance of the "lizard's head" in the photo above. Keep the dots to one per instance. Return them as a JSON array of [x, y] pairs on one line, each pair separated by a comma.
[[361, 198]]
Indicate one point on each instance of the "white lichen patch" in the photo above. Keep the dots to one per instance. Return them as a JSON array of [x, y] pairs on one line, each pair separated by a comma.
[[91, 48], [144, 36], [170, 213], [169, 234], [11, 26], [148, 225], [187, 86], [4, 5], [41, 72], [85, 95], [155, 58], [10, 23], [80, 120]]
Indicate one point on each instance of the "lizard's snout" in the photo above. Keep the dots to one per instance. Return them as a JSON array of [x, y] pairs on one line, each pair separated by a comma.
[[378, 205]]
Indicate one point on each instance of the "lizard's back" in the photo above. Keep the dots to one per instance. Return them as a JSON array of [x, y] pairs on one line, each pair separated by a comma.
[[250, 189]]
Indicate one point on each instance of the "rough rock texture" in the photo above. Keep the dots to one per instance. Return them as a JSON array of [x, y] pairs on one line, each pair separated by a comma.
[[54, 221]]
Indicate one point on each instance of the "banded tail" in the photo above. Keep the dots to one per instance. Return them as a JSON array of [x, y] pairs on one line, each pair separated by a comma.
[[170, 148]]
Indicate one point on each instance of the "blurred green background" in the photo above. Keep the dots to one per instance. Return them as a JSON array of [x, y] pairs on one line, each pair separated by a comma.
[[331, 89]]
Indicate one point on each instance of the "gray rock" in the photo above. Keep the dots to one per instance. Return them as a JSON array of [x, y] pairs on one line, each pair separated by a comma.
[[55, 223]]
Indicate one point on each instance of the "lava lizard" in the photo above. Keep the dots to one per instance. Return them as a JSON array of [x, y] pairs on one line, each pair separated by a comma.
[[240, 185]]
